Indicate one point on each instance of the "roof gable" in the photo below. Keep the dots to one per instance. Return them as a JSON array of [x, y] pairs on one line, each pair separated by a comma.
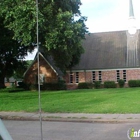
[[49, 61]]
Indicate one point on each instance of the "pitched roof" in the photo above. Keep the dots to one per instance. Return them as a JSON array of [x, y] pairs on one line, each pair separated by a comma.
[[50, 61], [106, 50]]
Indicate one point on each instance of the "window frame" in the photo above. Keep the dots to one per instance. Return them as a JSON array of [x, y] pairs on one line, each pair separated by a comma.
[[93, 76], [100, 76], [125, 75], [71, 78], [77, 77], [118, 75]]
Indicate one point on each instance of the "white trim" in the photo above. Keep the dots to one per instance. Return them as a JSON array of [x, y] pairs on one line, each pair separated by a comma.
[[117, 75], [30, 65], [49, 63], [103, 69], [71, 77], [76, 78], [35, 60]]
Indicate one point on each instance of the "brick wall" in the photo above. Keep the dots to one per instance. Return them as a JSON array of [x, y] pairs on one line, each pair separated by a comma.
[[106, 75], [133, 74], [50, 75]]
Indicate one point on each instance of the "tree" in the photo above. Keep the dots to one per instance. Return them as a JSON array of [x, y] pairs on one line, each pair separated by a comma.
[[10, 53], [20, 70], [61, 27]]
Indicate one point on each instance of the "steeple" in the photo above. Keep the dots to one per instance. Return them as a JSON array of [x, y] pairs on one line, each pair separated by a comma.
[[132, 59], [131, 11], [132, 27]]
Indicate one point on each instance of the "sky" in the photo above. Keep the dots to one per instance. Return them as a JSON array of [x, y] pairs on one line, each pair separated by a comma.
[[109, 15], [106, 15]]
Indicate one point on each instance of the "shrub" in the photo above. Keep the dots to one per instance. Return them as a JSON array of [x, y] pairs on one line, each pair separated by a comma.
[[134, 83], [16, 90], [121, 83], [97, 84], [85, 85], [33, 87], [109, 84], [60, 85], [23, 85]]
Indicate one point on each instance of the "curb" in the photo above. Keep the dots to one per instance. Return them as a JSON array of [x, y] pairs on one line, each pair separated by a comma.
[[60, 119]]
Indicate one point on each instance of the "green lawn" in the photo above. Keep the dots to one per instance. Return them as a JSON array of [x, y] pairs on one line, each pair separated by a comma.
[[125, 100]]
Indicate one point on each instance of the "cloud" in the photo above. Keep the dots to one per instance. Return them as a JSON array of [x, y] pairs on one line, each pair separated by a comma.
[[108, 15]]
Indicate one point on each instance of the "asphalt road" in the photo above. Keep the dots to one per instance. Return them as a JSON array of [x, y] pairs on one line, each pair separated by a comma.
[[30, 130]]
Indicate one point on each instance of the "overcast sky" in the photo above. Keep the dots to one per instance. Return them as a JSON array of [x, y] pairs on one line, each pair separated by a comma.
[[107, 15]]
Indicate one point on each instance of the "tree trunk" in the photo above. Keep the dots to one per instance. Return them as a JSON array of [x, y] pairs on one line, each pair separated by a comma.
[[2, 83]]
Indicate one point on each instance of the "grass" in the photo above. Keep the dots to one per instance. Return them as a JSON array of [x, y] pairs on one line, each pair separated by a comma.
[[120, 100]]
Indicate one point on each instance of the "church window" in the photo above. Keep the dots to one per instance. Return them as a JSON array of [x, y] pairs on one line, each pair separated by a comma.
[[118, 75], [124, 75], [100, 76], [77, 77], [41, 77], [71, 77], [93, 76]]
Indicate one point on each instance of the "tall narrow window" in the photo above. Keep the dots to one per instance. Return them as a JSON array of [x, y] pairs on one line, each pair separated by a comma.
[[93, 76], [41, 78], [118, 75], [77, 77], [71, 77], [124, 75], [100, 76]]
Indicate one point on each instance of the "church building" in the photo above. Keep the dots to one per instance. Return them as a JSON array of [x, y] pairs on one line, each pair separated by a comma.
[[108, 56]]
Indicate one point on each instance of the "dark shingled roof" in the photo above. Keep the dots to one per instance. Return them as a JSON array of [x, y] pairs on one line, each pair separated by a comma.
[[106, 50]]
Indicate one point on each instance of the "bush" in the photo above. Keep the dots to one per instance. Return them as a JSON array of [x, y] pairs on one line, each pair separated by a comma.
[[33, 87], [16, 90], [134, 83], [121, 83], [109, 84], [97, 84], [21, 85], [85, 85], [60, 85]]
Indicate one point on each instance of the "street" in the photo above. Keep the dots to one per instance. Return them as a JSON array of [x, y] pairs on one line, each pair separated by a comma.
[[30, 130]]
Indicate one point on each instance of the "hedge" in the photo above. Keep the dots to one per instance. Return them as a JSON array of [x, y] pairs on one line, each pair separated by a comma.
[[97, 84], [121, 83], [60, 85], [85, 85], [134, 83], [109, 84]]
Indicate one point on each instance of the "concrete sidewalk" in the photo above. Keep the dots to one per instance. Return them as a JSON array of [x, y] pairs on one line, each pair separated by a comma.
[[72, 117]]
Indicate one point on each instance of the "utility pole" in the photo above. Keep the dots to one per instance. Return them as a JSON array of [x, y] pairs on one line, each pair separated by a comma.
[[39, 94]]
